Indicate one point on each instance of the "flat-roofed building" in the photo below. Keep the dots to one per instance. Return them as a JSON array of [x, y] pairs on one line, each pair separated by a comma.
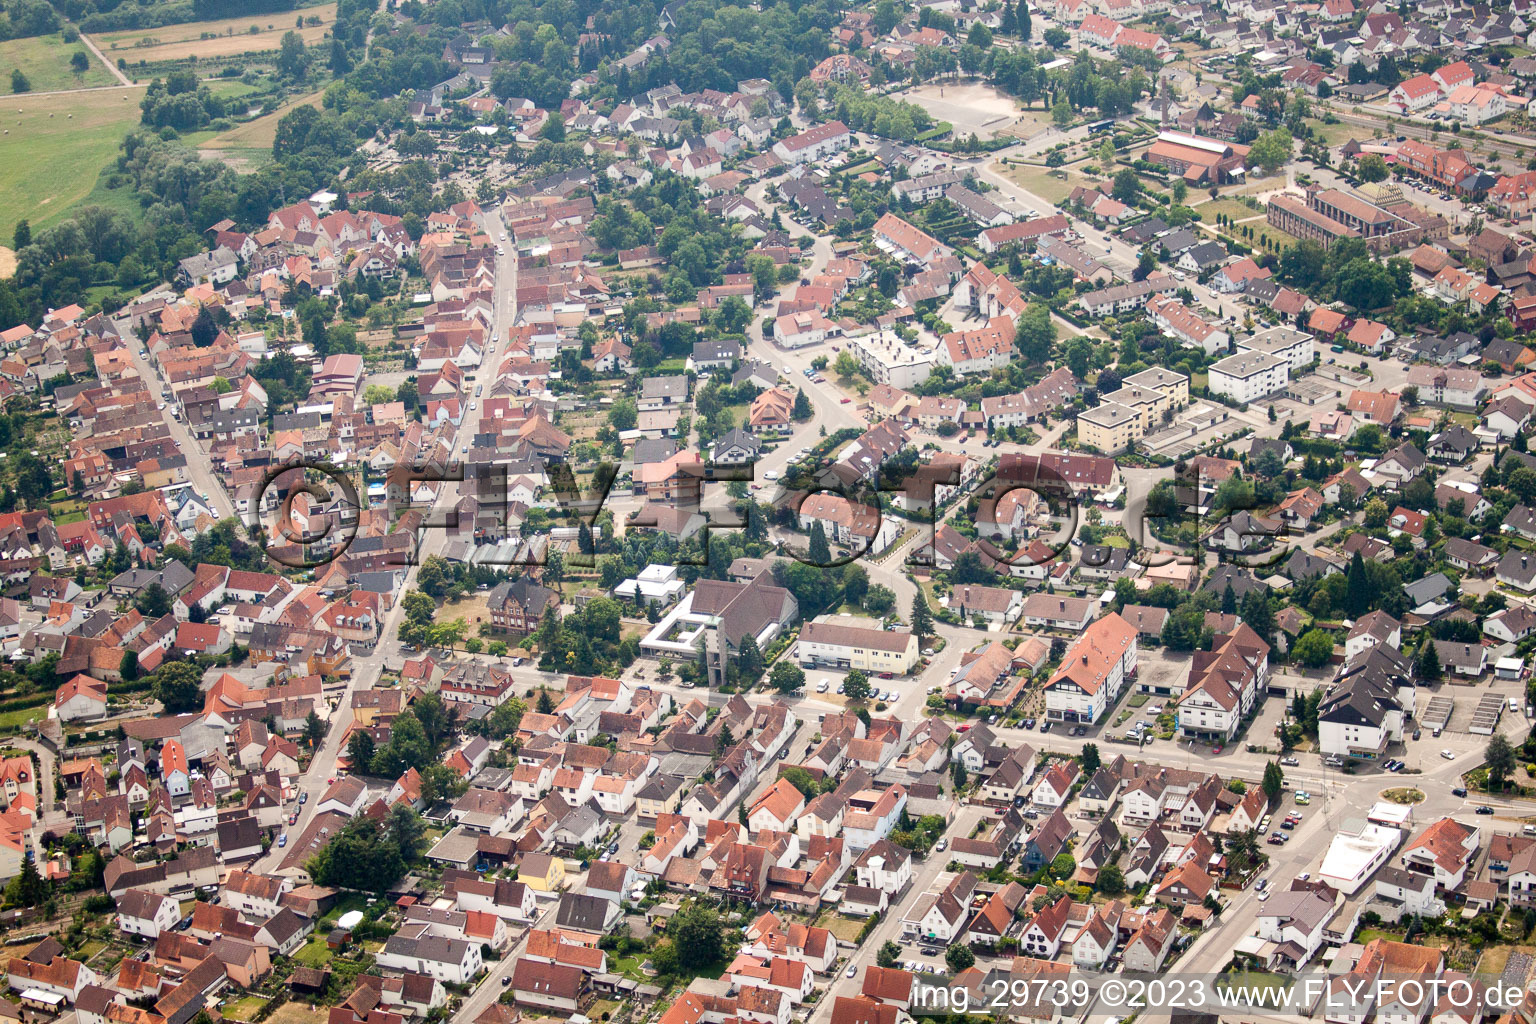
[[1249, 376], [1295, 347], [1159, 378], [1109, 427]]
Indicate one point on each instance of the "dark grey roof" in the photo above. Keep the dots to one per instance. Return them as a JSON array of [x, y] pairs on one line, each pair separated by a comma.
[[1428, 589]]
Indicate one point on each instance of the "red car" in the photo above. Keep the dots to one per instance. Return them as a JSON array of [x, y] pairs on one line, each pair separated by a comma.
[[845, 401]]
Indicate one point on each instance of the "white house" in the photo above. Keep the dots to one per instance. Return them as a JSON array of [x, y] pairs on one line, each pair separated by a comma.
[[141, 912], [1092, 671]]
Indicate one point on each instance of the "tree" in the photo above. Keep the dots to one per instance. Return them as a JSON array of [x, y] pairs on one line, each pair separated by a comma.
[[128, 667], [959, 958], [856, 685], [314, 730], [922, 617], [1375, 513], [1110, 881], [1500, 759], [1274, 783], [407, 830], [360, 750], [28, 889], [698, 935], [880, 600], [623, 414], [1427, 665], [1127, 185], [177, 686], [205, 329], [1313, 648], [1271, 150], [79, 63], [292, 56], [749, 659], [153, 602], [819, 553], [1090, 758], [1358, 595], [19, 81], [1373, 168], [969, 568], [786, 677], [888, 954], [802, 409], [22, 237]]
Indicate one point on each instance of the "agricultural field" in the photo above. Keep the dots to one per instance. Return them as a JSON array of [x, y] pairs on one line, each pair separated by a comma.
[[75, 135], [45, 62], [258, 134], [210, 40]]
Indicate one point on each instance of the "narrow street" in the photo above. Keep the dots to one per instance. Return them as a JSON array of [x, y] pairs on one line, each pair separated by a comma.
[[366, 670]]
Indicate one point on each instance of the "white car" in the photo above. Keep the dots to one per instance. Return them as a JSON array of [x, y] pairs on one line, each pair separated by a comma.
[[1263, 895], [1448, 755], [852, 970], [1303, 876]]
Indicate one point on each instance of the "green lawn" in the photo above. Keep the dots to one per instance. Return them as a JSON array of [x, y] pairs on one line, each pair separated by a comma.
[[315, 952], [1231, 207], [45, 60], [1040, 181], [1336, 134], [74, 136], [243, 1009], [19, 718], [228, 88]]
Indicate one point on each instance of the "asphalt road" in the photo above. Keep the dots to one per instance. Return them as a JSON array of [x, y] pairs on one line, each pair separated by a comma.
[[366, 669]]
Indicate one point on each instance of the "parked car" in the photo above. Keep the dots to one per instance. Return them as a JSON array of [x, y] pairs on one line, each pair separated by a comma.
[[1448, 755], [1289, 762]]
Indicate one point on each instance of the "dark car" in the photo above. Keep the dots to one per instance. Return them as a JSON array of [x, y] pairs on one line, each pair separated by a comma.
[[1045, 726], [1485, 809], [1459, 791], [1029, 723]]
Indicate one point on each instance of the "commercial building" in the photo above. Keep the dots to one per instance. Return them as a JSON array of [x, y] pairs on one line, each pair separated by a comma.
[[831, 644]]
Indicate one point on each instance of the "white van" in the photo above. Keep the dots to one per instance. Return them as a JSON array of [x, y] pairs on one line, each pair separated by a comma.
[[821, 687]]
